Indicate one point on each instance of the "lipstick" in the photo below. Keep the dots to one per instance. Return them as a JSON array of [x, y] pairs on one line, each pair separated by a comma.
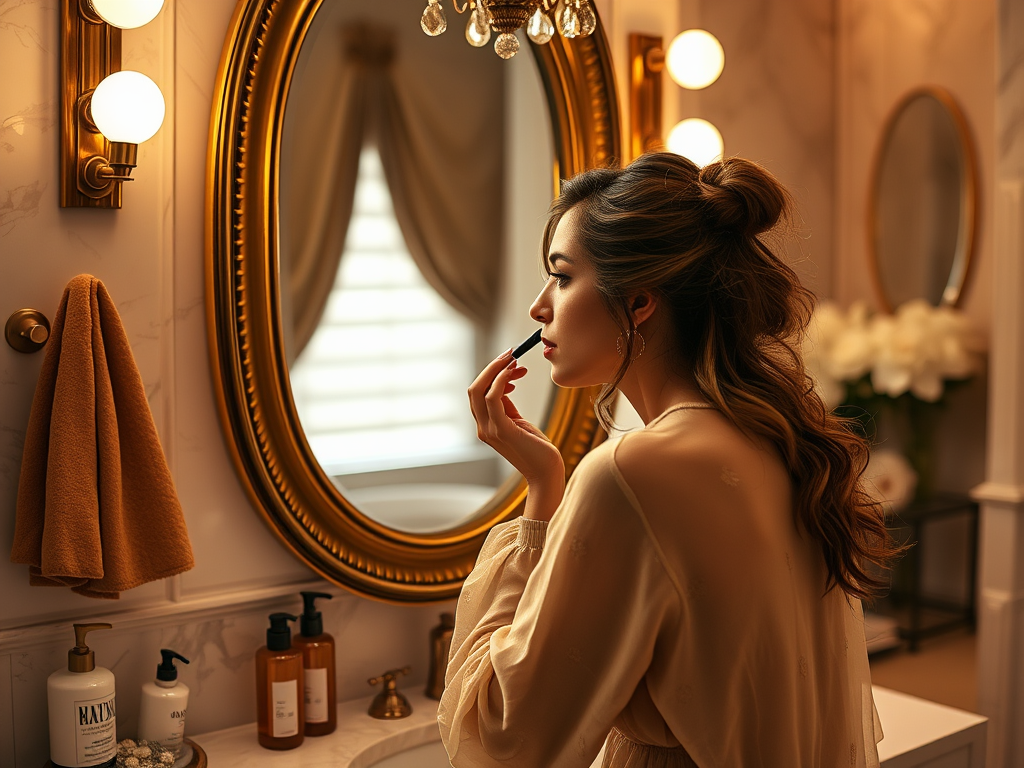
[[527, 345]]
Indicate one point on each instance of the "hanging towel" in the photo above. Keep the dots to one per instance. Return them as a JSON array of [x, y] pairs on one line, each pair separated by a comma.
[[97, 510]]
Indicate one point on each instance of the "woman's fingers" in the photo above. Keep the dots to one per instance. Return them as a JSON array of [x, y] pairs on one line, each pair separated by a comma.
[[517, 373], [497, 420], [510, 409], [499, 423], [482, 383]]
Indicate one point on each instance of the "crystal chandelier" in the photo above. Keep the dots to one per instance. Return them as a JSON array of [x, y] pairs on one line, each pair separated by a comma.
[[573, 18]]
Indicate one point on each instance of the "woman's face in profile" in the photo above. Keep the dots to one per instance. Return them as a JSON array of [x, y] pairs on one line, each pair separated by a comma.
[[579, 332]]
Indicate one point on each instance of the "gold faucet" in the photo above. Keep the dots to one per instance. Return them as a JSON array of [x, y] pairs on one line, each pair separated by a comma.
[[389, 704]]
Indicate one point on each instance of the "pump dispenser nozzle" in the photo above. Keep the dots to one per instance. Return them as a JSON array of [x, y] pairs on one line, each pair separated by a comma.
[[279, 636], [81, 658], [312, 623], [166, 670]]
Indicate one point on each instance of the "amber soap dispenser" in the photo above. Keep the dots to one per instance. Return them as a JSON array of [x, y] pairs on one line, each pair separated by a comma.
[[318, 668], [280, 713]]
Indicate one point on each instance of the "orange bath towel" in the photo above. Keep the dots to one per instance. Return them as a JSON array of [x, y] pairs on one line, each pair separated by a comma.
[[97, 510]]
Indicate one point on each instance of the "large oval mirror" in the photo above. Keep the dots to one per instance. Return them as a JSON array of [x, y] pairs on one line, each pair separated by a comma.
[[415, 177], [923, 203], [376, 205]]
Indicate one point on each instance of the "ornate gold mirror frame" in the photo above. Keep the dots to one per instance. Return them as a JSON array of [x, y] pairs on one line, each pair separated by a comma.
[[279, 472], [969, 205]]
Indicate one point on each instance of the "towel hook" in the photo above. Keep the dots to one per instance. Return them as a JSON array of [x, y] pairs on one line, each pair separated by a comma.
[[27, 330]]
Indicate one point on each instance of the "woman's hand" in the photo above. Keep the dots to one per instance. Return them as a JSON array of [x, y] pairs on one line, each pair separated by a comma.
[[528, 449]]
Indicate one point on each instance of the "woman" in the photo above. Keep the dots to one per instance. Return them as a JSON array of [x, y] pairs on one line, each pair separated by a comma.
[[694, 591]]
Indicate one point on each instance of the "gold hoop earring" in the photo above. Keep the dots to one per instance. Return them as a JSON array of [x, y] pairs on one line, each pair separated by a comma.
[[636, 354]]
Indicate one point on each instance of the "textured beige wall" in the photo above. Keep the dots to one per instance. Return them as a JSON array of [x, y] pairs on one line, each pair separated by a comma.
[[885, 50]]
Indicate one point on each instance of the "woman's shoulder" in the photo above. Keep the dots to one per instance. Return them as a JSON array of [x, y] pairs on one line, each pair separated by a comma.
[[687, 452], [694, 434]]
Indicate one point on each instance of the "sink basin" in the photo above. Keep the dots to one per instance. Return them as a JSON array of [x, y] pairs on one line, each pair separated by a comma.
[[430, 755]]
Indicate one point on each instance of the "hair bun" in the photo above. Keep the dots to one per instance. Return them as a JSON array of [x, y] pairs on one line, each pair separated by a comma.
[[741, 196]]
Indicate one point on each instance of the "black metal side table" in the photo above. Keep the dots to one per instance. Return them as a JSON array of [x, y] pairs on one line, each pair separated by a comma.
[[907, 581]]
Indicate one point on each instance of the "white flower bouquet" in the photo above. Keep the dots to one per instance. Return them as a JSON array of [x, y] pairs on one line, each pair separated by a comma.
[[916, 351], [864, 364]]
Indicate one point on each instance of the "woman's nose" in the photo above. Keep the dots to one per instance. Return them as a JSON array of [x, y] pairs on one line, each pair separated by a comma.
[[539, 310]]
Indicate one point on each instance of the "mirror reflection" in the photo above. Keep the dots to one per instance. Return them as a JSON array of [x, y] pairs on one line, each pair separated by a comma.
[[415, 177], [924, 202]]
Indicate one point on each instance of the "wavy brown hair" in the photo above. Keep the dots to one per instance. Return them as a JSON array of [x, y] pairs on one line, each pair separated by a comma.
[[697, 238]]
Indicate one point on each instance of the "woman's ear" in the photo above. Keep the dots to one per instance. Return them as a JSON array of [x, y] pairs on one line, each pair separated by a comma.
[[642, 306]]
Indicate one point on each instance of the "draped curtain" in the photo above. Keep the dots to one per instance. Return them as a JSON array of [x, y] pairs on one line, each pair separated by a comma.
[[442, 148]]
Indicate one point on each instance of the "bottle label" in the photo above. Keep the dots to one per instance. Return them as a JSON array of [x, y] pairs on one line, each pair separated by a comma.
[[95, 739], [175, 729], [286, 708], [316, 695]]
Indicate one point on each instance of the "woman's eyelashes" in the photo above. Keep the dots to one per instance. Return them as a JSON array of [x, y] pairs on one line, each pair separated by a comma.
[[560, 278]]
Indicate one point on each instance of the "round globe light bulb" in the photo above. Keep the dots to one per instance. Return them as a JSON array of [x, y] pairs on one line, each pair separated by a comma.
[[695, 59], [127, 106], [697, 140], [127, 14]]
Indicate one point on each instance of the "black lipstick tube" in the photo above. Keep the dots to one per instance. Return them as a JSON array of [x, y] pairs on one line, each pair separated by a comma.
[[527, 345]]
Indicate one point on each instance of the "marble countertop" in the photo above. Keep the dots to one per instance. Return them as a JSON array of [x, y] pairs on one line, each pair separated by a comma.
[[358, 741], [912, 727]]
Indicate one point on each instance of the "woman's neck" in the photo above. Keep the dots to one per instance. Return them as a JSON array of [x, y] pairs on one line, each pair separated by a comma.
[[652, 387]]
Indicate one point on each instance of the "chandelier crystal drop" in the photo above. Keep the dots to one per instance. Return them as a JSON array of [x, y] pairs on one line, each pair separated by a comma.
[[572, 18], [568, 19], [433, 21], [540, 27], [507, 45], [478, 29], [588, 19]]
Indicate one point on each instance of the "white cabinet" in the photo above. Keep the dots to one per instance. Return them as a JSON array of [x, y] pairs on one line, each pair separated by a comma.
[[923, 734]]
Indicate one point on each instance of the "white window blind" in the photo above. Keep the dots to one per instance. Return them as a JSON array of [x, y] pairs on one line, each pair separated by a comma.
[[382, 383]]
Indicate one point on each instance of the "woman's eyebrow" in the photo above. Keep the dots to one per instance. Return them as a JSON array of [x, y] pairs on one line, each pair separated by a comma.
[[556, 256]]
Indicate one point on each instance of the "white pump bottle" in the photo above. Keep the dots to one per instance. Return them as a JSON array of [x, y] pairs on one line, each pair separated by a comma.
[[80, 700], [164, 704]]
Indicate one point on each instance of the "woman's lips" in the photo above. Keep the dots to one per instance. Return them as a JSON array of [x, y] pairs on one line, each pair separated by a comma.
[[548, 347]]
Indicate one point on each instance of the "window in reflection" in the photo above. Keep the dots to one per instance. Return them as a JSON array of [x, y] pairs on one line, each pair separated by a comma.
[[382, 383]]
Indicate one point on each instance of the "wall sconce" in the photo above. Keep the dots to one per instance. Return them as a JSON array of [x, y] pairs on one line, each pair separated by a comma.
[[694, 60], [105, 113]]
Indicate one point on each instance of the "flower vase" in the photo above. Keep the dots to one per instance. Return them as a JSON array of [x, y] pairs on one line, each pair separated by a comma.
[[919, 443]]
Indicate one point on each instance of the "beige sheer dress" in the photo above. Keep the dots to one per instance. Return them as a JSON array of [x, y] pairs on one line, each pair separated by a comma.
[[672, 606]]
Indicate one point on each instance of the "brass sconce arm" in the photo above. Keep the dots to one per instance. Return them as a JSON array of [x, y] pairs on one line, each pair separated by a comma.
[[99, 172], [647, 61]]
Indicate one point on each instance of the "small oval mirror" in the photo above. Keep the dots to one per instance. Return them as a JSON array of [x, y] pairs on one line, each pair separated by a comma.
[[923, 203]]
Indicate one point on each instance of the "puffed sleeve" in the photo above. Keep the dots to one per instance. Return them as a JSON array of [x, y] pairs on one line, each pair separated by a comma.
[[555, 629]]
